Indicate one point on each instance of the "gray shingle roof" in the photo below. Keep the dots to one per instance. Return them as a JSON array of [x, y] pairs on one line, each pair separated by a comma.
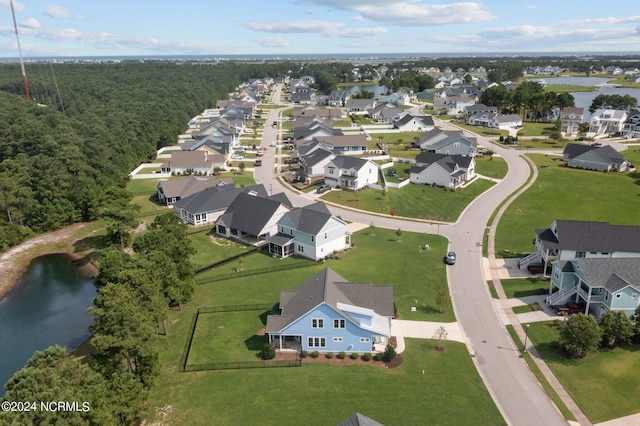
[[310, 219], [426, 158], [359, 420], [327, 286], [613, 274], [192, 184], [215, 198], [591, 236], [250, 213], [349, 162]]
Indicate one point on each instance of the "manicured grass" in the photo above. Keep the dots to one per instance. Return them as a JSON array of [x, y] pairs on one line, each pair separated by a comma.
[[536, 129], [522, 287], [321, 394], [494, 167], [613, 376], [482, 131], [397, 143], [564, 193], [416, 201], [212, 249], [143, 186], [542, 142]]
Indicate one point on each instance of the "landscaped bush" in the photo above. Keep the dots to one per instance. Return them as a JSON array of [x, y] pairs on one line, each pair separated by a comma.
[[354, 355], [389, 353], [342, 355], [366, 357], [268, 351], [304, 354], [329, 355], [377, 357], [315, 354]]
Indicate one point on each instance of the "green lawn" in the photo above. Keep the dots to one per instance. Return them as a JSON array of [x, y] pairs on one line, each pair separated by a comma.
[[522, 287], [564, 193], [482, 131], [416, 201], [495, 167], [605, 384], [397, 143], [212, 249], [392, 396]]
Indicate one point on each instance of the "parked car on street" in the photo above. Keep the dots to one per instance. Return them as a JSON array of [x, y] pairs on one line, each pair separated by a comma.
[[451, 258]]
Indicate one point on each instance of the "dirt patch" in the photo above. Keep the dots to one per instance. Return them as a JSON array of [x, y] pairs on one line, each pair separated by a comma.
[[14, 261]]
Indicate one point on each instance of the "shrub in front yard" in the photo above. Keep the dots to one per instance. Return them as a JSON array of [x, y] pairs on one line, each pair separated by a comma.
[[304, 354], [342, 355], [366, 357], [315, 354], [354, 355], [377, 357], [329, 355], [389, 353]]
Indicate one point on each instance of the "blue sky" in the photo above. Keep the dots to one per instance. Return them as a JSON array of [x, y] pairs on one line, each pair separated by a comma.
[[281, 27]]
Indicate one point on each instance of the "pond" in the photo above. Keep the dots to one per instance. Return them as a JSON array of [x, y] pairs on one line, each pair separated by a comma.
[[584, 99], [47, 307], [577, 81]]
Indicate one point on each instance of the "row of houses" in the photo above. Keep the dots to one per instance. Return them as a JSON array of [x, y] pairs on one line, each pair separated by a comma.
[[603, 121]]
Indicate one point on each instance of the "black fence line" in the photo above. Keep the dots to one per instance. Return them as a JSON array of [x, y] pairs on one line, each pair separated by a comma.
[[250, 272], [229, 259], [187, 349], [235, 308], [242, 365]]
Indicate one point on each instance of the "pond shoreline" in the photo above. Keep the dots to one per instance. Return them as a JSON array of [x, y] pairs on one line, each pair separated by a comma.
[[15, 260]]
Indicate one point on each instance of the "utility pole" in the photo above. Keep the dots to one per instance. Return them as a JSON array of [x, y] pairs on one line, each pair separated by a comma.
[[24, 74]]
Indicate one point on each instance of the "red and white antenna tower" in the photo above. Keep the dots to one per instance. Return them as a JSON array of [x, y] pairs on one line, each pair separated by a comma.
[[24, 74]]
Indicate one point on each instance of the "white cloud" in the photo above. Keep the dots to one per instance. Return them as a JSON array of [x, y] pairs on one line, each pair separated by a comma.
[[18, 7], [61, 34], [272, 42], [358, 32], [612, 21], [30, 23], [59, 12], [411, 12], [329, 29]]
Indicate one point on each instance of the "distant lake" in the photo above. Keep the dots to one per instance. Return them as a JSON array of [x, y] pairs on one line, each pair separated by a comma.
[[47, 307], [375, 88], [584, 99], [576, 81]]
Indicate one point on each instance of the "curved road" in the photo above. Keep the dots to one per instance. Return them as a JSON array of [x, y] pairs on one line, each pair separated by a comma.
[[513, 387]]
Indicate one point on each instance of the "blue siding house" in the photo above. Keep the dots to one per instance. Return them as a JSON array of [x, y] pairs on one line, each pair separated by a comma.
[[597, 285], [329, 314]]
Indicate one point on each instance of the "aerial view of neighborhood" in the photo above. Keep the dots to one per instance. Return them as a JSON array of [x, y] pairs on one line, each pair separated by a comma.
[[271, 237]]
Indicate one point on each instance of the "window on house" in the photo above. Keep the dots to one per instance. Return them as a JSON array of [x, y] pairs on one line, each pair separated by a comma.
[[337, 339], [634, 295], [580, 254], [312, 238], [325, 235], [618, 295], [339, 323], [317, 323], [317, 342], [364, 340]]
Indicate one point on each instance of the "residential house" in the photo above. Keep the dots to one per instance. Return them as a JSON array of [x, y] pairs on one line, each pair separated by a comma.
[[310, 231], [596, 285], [360, 105], [350, 172], [314, 128], [170, 191], [607, 121], [601, 158], [193, 162], [312, 163], [414, 123], [398, 98], [205, 207], [570, 120], [631, 127], [476, 109], [447, 142], [309, 111], [506, 121], [454, 105], [384, 113], [449, 171], [344, 144], [327, 313], [572, 239], [338, 97], [252, 218]]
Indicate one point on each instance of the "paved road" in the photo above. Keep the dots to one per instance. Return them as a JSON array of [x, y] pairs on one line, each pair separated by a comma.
[[514, 389]]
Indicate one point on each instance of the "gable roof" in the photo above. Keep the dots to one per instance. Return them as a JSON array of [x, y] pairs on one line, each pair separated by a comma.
[[605, 154], [349, 162], [190, 185], [613, 274], [310, 219], [315, 156], [250, 213], [359, 420], [343, 140], [591, 236], [215, 198], [432, 157], [327, 286], [436, 139], [427, 120]]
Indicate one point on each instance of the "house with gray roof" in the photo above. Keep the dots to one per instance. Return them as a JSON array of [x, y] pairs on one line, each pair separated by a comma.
[[607, 121], [359, 420], [385, 112], [205, 207], [313, 129], [566, 240], [310, 231], [360, 105], [600, 158], [313, 161], [344, 144], [350, 173], [327, 313], [193, 162], [252, 218], [597, 285], [414, 123], [449, 171], [570, 120], [170, 191], [631, 126], [447, 142], [505, 121]]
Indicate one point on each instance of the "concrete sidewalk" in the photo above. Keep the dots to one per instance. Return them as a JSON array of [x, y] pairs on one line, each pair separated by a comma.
[[423, 330]]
